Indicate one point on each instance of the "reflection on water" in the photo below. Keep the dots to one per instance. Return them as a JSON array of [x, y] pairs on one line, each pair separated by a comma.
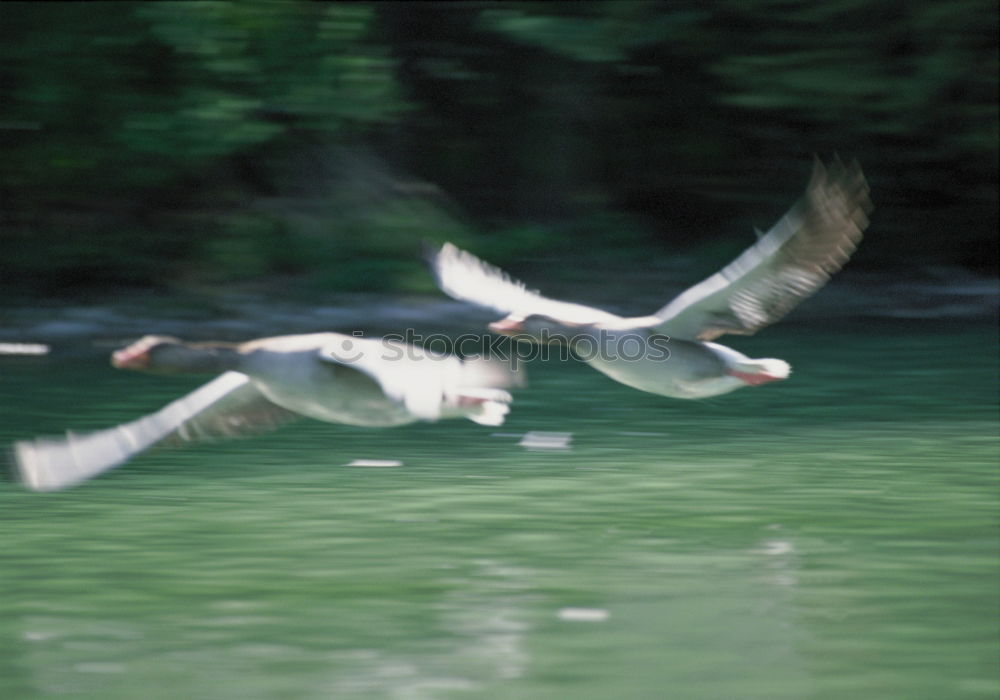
[[480, 625], [832, 536]]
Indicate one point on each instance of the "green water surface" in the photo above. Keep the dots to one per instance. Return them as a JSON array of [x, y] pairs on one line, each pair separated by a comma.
[[832, 536]]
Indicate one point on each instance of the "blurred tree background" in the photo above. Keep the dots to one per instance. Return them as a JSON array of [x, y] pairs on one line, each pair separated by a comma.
[[314, 145]]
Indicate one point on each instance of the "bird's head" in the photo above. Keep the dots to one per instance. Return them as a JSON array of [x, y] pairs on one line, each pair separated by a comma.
[[143, 353], [164, 354]]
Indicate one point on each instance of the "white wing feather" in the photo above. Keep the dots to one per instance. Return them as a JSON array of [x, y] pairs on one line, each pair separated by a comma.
[[227, 406], [465, 277]]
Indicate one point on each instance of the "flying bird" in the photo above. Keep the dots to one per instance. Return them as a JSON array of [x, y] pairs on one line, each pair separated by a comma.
[[671, 351], [267, 382]]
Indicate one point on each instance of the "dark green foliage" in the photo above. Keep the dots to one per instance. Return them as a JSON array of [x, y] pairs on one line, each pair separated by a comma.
[[165, 144]]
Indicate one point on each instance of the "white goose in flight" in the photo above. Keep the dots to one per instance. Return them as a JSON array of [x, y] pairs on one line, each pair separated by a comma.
[[669, 352], [264, 383]]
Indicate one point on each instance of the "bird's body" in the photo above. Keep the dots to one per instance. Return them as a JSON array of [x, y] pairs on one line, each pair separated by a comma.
[[291, 377], [671, 353], [684, 370]]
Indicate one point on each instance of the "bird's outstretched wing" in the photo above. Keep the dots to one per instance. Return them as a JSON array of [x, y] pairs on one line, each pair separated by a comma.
[[465, 277], [228, 406], [787, 264]]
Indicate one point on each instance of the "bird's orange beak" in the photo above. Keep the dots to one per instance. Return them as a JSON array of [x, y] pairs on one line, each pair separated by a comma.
[[507, 326], [132, 357]]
